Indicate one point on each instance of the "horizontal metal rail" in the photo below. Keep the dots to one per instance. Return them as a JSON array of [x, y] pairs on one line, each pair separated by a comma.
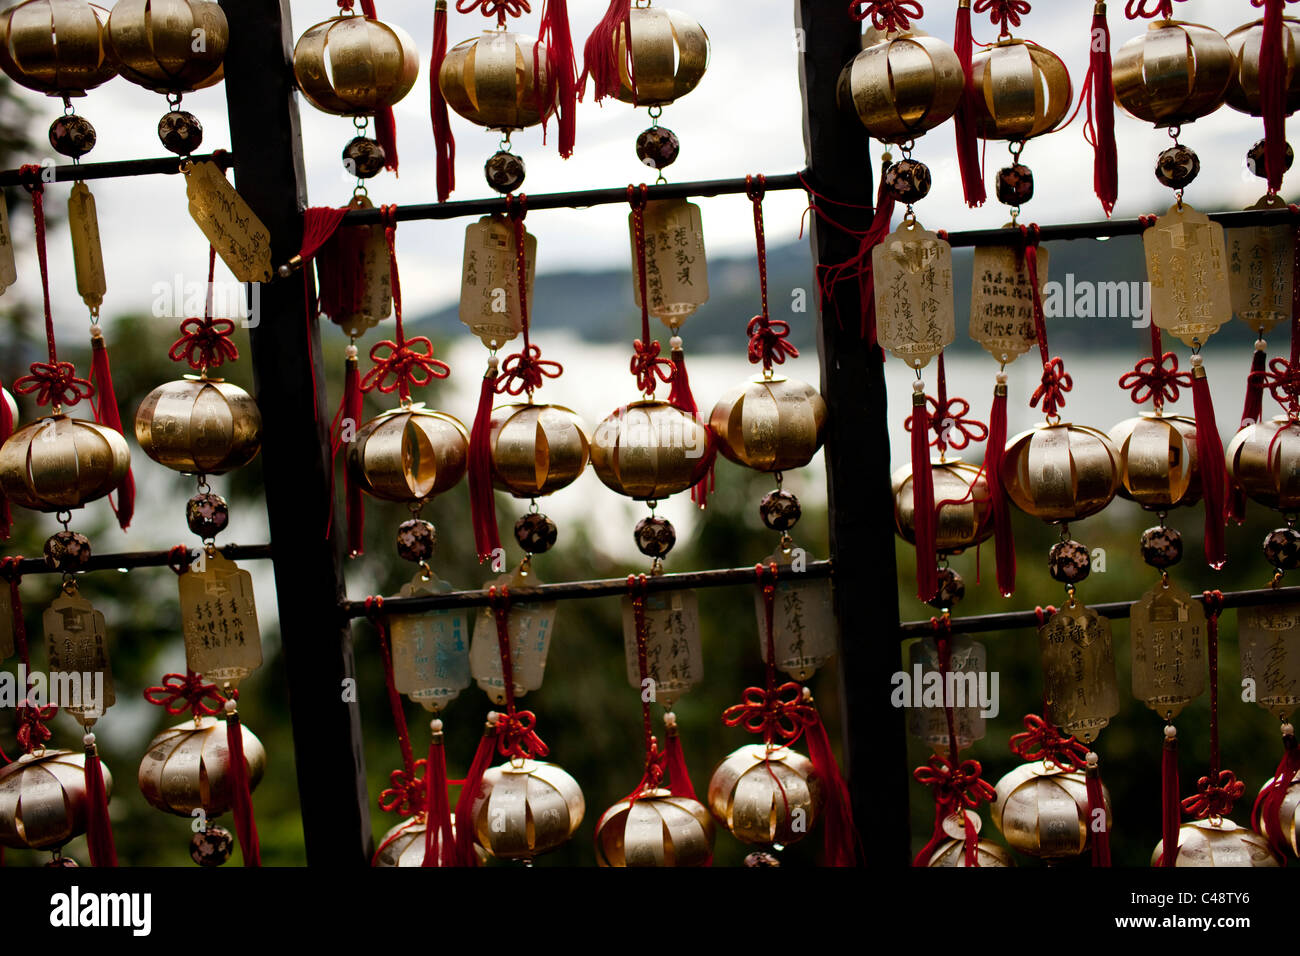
[[1012, 620], [75, 172], [128, 560], [579, 590], [1108, 228]]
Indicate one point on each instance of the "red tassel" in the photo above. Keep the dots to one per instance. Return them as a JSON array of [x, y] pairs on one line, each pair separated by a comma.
[[1252, 411], [679, 778], [99, 831], [1170, 804], [562, 66], [1209, 452], [385, 125], [487, 747], [681, 398], [1004, 541], [439, 841], [972, 178], [841, 836], [340, 264], [104, 403], [482, 501], [1097, 802], [971, 843], [242, 798], [1272, 93], [1268, 804], [6, 429], [444, 143], [1101, 109], [599, 56], [927, 572]]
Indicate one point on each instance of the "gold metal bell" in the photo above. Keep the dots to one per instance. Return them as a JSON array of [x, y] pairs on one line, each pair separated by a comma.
[[670, 52], [537, 449], [657, 829], [354, 66], [59, 463], [1218, 843], [1024, 90], [902, 86], [1042, 810], [1245, 42], [525, 808], [1172, 74], [953, 851], [1060, 472], [199, 426], [1264, 461], [493, 80], [43, 799], [769, 798], [649, 450], [187, 767], [55, 46], [409, 454], [962, 503], [403, 845], [769, 424], [168, 46], [1158, 467], [1288, 814]]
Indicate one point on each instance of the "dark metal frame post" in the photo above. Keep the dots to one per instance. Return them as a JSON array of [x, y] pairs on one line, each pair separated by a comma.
[[297, 470], [857, 443]]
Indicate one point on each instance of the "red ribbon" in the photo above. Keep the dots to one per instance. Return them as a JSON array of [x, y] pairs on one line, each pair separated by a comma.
[[1215, 795], [495, 8], [404, 365], [181, 692], [55, 383], [888, 15], [1150, 9], [779, 712], [957, 785], [524, 371], [647, 366], [205, 343], [1004, 13], [516, 736], [1041, 740], [405, 793], [951, 424], [1152, 381], [1052, 387], [32, 732], [1282, 381], [768, 343]]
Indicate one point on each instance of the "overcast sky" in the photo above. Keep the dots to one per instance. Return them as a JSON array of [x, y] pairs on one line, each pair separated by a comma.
[[743, 117]]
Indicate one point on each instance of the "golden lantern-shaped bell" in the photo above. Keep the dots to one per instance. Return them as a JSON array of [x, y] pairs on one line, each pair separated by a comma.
[[169, 46], [962, 503], [409, 454], [536, 449], [1042, 810], [199, 426], [1023, 90], [1245, 43], [1288, 815], [403, 845], [1158, 467], [43, 799], [953, 851], [1218, 843], [59, 463], [649, 450], [670, 52], [1173, 74], [354, 66], [494, 80], [902, 86], [187, 768], [524, 808], [657, 829], [1060, 472], [55, 46], [769, 424], [1264, 461], [766, 797]]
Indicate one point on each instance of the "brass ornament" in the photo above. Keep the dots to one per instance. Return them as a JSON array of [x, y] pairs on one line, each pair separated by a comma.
[[1042, 810], [529, 625], [403, 845], [902, 86], [168, 46], [219, 620], [1267, 638], [1158, 467], [199, 426], [536, 449], [674, 662], [409, 454], [1244, 91], [963, 505], [59, 463], [57, 47], [1218, 843], [1080, 692], [1260, 267], [676, 269], [657, 829], [1060, 472], [1264, 461], [430, 649], [805, 633], [76, 643], [355, 66], [913, 291], [1002, 301], [1173, 74], [953, 851], [43, 800], [1023, 90], [649, 450], [766, 797], [1288, 814], [926, 717], [1187, 265], [670, 52], [489, 284], [770, 423], [525, 808], [87, 253], [187, 768], [493, 80], [1167, 640], [227, 222]]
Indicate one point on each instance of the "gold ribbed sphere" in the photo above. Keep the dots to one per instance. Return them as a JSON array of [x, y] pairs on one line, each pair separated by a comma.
[[199, 426], [1022, 90], [55, 46], [649, 450], [409, 454], [1173, 74], [494, 80], [670, 52], [1206, 843], [187, 767], [355, 66], [1158, 467], [902, 86], [168, 46], [1042, 811], [771, 424], [58, 463], [536, 449], [962, 504], [1264, 461], [764, 797], [526, 808], [1060, 472], [43, 799], [657, 829]]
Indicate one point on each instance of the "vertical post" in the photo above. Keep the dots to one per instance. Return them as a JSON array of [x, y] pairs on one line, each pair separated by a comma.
[[296, 465], [857, 442]]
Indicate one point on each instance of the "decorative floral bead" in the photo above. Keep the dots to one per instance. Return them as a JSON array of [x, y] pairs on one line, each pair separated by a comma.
[[1015, 185], [780, 510], [535, 533], [207, 514], [364, 158], [1162, 547], [211, 846], [655, 536], [1282, 549], [504, 171], [1177, 166], [1069, 562], [951, 589], [72, 136], [908, 180], [67, 550], [658, 147], [180, 132], [416, 539]]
